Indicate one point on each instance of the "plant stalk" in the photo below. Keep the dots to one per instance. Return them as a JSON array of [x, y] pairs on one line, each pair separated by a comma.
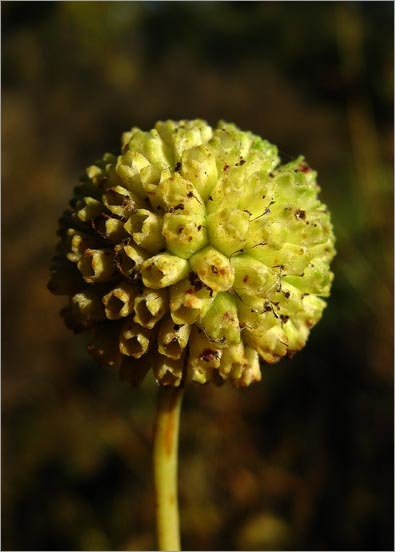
[[165, 467]]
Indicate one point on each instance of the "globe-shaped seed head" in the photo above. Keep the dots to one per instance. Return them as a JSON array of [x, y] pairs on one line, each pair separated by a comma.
[[194, 253]]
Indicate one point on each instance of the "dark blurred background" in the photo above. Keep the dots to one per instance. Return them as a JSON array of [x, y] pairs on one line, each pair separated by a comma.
[[301, 461]]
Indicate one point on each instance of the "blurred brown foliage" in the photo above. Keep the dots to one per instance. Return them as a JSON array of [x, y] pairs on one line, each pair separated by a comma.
[[303, 460]]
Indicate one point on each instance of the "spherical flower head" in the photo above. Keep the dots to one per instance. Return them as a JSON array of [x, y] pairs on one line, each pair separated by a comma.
[[194, 253]]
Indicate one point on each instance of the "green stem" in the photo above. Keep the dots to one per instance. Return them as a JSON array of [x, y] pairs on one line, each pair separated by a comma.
[[165, 467]]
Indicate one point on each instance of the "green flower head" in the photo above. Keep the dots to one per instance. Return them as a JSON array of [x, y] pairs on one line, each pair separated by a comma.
[[194, 253]]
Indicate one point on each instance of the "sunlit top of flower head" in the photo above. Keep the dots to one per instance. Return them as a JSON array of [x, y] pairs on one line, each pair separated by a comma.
[[194, 253]]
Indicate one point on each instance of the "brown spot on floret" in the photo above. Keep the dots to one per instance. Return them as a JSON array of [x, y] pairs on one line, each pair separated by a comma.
[[227, 316], [214, 269], [179, 207], [267, 307], [210, 290], [128, 204], [300, 214], [208, 355], [304, 168], [195, 281], [245, 279], [198, 285]]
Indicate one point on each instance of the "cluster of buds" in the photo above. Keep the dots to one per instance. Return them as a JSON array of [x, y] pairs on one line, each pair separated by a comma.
[[194, 253]]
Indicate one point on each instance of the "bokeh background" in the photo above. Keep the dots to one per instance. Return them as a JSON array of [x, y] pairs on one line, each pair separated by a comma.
[[301, 461]]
